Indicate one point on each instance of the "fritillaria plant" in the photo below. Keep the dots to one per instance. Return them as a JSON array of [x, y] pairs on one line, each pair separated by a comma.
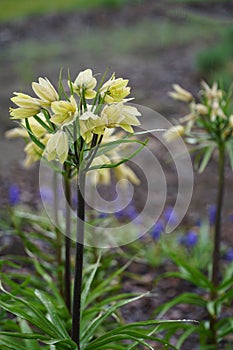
[[208, 127], [74, 126]]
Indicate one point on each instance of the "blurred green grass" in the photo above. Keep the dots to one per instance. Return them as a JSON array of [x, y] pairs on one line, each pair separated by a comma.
[[15, 9]]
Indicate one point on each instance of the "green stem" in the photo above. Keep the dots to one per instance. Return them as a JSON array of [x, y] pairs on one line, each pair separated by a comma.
[[58, 236], [76, 313], [67, 274], [217, 241]]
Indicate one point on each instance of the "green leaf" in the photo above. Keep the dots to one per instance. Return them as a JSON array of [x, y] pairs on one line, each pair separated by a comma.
[[185, 298], [32, 136], [229, 147], [87, 286], [206, 157], [90, 332], [105, 285], [29, 343], [124, 160], [32, 315], [227, 279], [105, 148], [60, 328], [224, 327], [131, 332], [11, 343], [37, 336], [43, 124], [188, 272]]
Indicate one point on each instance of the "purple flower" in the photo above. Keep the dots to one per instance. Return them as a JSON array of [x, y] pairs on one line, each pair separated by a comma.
[[170, 216], [14, 194], [46, 194], [212, 214], [198, 222], [103, 215], [190, 239], [131, 212], [229, 255], [119, 214], [157, 230]]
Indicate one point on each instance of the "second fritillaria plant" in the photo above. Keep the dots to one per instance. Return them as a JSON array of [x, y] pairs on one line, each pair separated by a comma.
[[62, 126], [208, 127]]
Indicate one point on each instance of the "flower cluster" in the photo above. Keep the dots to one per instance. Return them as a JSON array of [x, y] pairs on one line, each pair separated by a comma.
[[208, 118], [62, 126]]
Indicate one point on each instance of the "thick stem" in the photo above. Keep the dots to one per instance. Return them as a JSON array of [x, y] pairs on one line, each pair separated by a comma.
[[217, 241], [58, 237], [67, 274], [76, 314]]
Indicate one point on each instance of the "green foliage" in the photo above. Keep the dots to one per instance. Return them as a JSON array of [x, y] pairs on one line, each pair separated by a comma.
[[222, 301], [215, 63], [39, 312], [13, 9]]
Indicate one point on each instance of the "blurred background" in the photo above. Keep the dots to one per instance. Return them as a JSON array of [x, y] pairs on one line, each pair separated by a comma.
[[153, 43]]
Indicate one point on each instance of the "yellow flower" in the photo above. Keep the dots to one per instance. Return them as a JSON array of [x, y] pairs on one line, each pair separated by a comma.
[[57, 146], [100, 176], [45, 91], [112, 116], [85, 82], [90, 124], [115, 90], [120, 115], [231, 121], [16, 132], [180, 94], [174, 133], [211, 92], [65, 112], [124, 172], [216, 110], [200, 109], [28, 106], [34, 152], [37, 129]]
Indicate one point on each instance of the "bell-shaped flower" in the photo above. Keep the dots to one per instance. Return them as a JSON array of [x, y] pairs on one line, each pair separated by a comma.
[[16, 132], [121, 172], [37, 129], [124, 172], [174, 133], [85, 83], [45, 91], [34, 152], [211, 93], [65, 112], [28, 106], [120, 115], [180, 94], [231, 121], [57, 147], [90, 124], [102, 175], [114, 90]]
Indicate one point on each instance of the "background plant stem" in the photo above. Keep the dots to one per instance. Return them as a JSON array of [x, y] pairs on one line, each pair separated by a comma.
[[58, 236], [76, 313], [217, 241], [67, 274]]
